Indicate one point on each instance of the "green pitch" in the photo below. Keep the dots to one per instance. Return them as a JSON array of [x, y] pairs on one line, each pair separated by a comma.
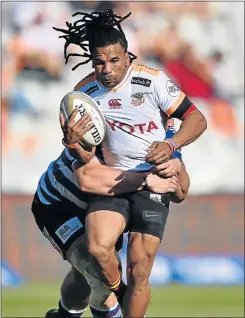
[[170, 301]]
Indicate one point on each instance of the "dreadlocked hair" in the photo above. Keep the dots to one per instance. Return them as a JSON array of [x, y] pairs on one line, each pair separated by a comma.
[[98, 29]]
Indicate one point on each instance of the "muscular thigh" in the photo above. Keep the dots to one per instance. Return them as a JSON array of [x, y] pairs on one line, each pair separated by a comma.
[[106, 218], [148, 213], [61, 223]]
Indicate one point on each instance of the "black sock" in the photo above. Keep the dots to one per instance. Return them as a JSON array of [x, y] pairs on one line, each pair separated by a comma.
[[120, 292]]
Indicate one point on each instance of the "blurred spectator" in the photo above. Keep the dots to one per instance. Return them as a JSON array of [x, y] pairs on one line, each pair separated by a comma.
[[36, 45], [216, 64], [134, 27], [199, 77], [181, 62], [13, 98]]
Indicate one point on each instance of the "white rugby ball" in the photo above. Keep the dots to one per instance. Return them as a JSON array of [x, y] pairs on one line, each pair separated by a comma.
[[85, 104]]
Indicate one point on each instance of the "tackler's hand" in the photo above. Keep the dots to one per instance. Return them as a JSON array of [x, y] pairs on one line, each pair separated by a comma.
[[74, 131], [168, 169], [159, 185]]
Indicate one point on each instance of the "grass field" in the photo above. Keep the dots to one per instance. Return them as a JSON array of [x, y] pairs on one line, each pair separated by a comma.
[[170, 301]]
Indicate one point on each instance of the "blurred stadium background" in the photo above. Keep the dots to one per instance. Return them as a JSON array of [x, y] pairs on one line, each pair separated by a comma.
[[199, 271]]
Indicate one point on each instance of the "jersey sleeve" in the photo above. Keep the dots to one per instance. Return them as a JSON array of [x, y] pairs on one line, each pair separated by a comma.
[[168, 96]]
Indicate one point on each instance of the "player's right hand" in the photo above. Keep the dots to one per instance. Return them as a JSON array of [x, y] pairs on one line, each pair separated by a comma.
[[73, 131], [158, 152], [160, 185]]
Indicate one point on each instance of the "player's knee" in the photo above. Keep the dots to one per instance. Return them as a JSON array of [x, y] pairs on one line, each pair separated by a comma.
[[138, 272], [141, 267], [78, 257], [78, 278], [141, 258], [100, 250], [150, 254], [146, 243]]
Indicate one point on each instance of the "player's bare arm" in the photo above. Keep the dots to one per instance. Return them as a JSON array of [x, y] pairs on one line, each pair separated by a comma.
[[100, 179], [192, 126], [181, 192], [73, 132]]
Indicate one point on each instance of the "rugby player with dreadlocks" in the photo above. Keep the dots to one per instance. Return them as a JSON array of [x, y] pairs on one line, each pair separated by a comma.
[[132, 98]]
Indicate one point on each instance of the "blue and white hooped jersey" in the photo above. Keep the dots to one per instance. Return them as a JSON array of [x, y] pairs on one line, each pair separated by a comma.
[[59, 183]]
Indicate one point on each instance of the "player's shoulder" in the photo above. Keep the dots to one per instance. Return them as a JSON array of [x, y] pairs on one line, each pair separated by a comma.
[[145, 70], [89, 79], [144, 75]]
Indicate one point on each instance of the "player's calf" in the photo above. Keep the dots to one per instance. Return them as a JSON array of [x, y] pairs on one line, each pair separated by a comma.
[[75, 294], [110, 257], [75, 291], [103, 302]]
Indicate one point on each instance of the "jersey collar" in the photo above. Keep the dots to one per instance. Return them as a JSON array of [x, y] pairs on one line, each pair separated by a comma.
[[115, 89]]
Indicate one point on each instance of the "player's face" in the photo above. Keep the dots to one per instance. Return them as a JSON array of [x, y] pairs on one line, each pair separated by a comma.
[[110, 64]]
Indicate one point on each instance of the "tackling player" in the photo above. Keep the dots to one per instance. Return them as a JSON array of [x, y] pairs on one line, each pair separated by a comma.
[[132, 98]]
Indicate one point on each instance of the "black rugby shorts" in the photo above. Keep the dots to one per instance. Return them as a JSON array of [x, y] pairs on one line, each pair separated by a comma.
[[149, 212], [145, 212], [118, 204], [62, 223]]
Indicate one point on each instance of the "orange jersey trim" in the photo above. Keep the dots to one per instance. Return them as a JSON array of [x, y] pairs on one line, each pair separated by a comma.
[[147, 70], [176, 104]]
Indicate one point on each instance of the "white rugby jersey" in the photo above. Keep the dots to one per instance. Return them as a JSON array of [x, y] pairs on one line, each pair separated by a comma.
[[134, 112]]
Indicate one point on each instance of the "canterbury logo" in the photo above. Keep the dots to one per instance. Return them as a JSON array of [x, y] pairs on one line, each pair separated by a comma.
[[115, 103]]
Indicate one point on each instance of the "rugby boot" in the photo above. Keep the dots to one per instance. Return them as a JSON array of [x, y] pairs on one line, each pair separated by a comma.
[[54, 313]]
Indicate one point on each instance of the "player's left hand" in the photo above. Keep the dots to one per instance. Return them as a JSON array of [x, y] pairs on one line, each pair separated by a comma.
[[158, 152], [168, 169]]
